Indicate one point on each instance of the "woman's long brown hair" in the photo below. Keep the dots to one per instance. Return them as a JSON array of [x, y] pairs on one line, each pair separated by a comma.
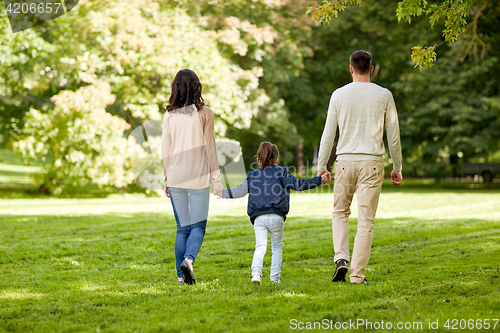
[[267, 154], [186, 90]]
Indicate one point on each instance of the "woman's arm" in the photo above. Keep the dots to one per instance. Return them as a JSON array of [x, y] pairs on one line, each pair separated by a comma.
[[236, 192], [166, 144], [208, 132]]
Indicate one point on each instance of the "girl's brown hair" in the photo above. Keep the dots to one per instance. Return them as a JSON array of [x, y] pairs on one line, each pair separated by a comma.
[[267, 154]]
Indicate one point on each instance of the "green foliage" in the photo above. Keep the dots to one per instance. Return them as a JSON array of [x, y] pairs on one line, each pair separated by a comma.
[[410, 8], [271, 38], [24, 74], [85, 143], [271, 124], [267, 70], [329, 9], [65, 267], [369, 26], [453, 12], [241, 57], [448, 114], [140, 56], [423, 56], [430, 98]]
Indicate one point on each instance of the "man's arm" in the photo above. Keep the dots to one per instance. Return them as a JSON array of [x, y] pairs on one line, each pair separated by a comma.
[[328, 137], [392, 130], [394, 141], [236, 192]]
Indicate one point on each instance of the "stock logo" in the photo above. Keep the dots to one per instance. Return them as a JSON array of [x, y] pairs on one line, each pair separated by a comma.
[[145, 156], [26, 14], [145, 143]]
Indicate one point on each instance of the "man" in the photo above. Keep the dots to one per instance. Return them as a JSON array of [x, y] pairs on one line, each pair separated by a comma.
[[360, 110]]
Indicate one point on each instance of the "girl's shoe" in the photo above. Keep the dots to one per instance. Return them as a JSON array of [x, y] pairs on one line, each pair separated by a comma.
[[256, 279], [276, 281]]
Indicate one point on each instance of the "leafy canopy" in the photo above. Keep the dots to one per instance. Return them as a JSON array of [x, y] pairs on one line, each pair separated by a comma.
[[85, 143], [453, 12]]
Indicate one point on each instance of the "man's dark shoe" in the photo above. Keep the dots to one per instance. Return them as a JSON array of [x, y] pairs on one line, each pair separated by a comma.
[[340, 271], [364, 282], [187, 270]]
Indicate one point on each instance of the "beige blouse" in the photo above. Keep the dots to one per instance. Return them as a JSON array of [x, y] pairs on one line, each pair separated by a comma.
[[188, 150]]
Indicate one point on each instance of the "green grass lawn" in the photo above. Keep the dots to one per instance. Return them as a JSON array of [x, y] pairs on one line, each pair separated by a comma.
[[107, 265], [11, 169]]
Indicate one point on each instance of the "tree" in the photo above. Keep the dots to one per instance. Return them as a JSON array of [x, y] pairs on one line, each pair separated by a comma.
[[138, 58], [267, 71], [368, 26], [85, 144], [452, 111], [24, 73], [271, 37], [453, 12], [444, 112]]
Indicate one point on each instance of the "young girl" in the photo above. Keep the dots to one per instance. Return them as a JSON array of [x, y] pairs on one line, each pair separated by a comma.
[[268, 203]]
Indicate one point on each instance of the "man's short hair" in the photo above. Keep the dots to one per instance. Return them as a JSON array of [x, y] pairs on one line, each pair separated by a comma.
[[361, 61]]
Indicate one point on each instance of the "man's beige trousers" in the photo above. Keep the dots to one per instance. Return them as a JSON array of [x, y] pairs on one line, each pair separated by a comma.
[[364, 177]]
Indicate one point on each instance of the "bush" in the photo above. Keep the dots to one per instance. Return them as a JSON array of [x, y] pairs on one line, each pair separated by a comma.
[[81, 142]]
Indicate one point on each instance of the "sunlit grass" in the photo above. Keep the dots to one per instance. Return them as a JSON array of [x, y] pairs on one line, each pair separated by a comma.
[[12, 171], [108, 265]]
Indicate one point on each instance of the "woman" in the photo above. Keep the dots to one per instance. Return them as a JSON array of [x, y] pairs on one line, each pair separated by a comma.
[[190, 165]]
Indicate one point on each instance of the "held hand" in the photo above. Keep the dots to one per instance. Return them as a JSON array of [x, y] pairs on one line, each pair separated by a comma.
[[166, 190], [396, 177], [218, 189], [327, 173], [324, 177]]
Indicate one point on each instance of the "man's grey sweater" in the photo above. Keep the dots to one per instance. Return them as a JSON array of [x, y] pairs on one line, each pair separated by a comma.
[[360, 110]]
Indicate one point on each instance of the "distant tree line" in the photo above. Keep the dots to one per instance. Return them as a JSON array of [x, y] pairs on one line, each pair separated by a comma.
[[268, 72]]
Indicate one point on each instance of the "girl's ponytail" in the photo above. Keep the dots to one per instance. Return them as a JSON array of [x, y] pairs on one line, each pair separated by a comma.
[[267, 154]]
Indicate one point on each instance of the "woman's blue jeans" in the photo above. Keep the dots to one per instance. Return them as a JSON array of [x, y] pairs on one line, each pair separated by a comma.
[[191, 212]]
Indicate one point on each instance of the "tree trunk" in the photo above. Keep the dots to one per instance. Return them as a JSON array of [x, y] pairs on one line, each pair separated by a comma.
[[300, 158]]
